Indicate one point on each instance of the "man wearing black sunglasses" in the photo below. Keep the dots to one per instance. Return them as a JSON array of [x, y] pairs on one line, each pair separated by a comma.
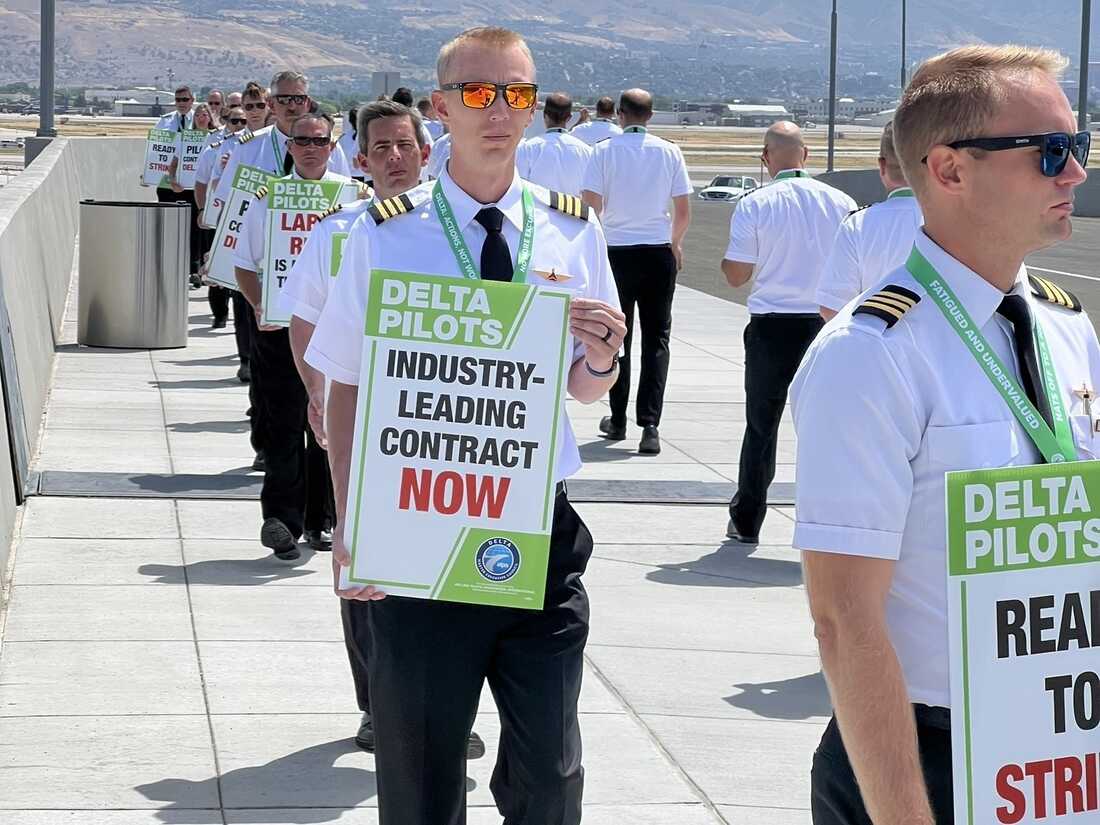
[[957, 360], [430, 659], [296, 497]]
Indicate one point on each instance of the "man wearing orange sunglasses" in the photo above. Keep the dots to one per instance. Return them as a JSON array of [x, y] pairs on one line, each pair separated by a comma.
[[430, 659]]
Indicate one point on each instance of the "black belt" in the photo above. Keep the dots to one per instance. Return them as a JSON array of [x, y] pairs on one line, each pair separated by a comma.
[[932, 717]]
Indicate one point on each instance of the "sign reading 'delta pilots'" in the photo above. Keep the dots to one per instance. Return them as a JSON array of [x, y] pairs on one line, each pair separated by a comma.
[[459, 416], [247, 181], [160, 148], [1024, 607]]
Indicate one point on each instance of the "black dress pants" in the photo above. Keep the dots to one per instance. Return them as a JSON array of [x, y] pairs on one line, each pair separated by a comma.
[[834, 793], [774, 346], [217, 296], [646, 277], [354, 617], [244, 323], [428, 660], [196, 244], [297, 486]]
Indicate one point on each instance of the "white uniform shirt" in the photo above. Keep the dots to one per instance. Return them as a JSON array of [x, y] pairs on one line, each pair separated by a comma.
[[435, 129], [251, 251], [172, 121], [786, 230], [307, 288], [415, 242], [556, 160], [267, 150], [350, 147], [437, 160], [881, 415], [215, 146], [869, 244], [636, 174], [596, 130]]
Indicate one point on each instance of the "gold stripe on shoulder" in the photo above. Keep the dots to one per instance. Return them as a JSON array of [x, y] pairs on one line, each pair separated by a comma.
[[888, 304], [1046, 290]]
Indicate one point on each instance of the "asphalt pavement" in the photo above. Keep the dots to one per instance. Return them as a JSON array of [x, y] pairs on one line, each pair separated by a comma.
[[1073, 264]]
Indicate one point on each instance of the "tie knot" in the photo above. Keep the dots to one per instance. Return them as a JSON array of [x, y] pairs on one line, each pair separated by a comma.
[[1015, 309], [491, 218]]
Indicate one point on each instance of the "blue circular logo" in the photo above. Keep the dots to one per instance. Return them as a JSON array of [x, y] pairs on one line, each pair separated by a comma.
[[497, 560]]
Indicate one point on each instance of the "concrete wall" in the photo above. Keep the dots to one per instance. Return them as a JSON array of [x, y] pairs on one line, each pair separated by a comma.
[[39, 217]]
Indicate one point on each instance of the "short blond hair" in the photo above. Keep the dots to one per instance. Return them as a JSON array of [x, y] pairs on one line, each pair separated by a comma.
[[955, 95], [493, 37], [888, 154]]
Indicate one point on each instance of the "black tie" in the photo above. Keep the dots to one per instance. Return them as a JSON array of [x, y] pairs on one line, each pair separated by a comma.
[[288, 161], [1014, 308], [496, 260]]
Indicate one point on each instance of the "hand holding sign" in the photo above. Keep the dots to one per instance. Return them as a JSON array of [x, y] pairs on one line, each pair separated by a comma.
[[599, 326]]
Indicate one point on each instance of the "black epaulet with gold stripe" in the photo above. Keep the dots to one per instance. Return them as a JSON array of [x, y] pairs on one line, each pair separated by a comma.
[[391, 208], [332, 210], [889, 303], [570, 205], [858, 210], [1049, 291], [217, 143], [246, 137], [261, 193]]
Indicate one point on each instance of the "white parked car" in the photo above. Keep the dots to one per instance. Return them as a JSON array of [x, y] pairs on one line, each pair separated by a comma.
[[728, 188]]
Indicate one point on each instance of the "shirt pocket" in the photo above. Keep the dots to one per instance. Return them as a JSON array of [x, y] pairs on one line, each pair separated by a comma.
[[1088, 445], [972, 446]]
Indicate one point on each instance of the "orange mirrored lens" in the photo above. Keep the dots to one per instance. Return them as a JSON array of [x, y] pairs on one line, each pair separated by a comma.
[[520, 95], [478, 95]]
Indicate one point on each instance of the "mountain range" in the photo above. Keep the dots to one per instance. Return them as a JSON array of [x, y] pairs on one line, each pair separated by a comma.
[[681, 48]]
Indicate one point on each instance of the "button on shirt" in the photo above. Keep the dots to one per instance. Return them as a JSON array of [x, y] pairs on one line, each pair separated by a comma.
[[869, 244], [786, 229], [251, 246], [636, 174], [415, 242], [596, 130], [556, 160], [311, 278], [881, 414]]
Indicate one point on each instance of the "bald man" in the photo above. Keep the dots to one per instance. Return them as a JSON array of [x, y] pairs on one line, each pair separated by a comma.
[[631, 181], [782, 233]]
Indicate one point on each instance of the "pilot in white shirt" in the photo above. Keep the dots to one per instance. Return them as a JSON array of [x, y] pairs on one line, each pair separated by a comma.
[[555, 159], [936, 369], [183, 118], [600, 129], [872, 241]]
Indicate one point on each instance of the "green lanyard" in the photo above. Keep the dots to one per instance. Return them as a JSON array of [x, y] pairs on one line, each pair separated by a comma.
[[279, 163], [790, 173], [1056, 446], [904, 192], [462, 251]]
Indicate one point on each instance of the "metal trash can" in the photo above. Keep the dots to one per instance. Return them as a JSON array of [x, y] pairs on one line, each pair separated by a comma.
[[134, 262]]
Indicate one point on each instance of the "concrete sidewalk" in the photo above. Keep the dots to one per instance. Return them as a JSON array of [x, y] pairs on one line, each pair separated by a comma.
[[157, 665]]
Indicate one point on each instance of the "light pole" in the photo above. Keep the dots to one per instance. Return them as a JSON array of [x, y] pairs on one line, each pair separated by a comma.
[[904, 64], [1083, 82], [832, 91], [45, 72]]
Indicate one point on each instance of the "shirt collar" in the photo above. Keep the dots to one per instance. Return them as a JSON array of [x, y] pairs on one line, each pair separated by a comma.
[[979, 297], [633, 130], [556, 130], [466, 208], [901, 192], [791, 173]]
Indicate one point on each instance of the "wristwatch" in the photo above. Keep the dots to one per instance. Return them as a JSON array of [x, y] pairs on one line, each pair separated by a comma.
[[603, 373]]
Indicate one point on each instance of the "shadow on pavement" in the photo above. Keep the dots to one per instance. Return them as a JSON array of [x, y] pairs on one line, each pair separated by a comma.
[[729, 566], [198, 383], [601, 450], [803, 697], [211, 427], [213, 361], [227, 572], [305, 777]]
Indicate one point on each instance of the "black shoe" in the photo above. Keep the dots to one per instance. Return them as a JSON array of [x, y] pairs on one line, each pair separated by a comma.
[[275, 536], [731, 533], [244, 371], [651, 441], [195, 280], [365, 737], [319, 540], [475, 746], [219, 323], [259, 463], [612, 431]]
